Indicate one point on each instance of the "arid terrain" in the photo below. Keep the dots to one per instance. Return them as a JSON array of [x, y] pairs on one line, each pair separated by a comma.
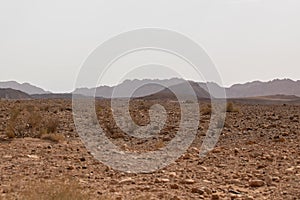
[[42, 157]]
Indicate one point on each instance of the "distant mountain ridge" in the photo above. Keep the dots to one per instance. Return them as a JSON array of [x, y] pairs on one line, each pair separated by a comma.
[[258, 88], [24, 87], [250, 89], [130, 88], [9, 93], [147, 87]]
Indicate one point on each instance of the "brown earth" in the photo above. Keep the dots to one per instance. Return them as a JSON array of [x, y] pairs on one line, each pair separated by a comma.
[[257, 156]]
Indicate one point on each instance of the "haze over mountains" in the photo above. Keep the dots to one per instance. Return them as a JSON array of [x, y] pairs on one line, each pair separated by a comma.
[[147, 87]]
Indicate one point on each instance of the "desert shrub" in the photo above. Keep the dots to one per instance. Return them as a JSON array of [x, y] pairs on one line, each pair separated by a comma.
[[34, 120], [26, 121], [30, 108], [206, 110], [51, 125], [231, 108], [12, 129]]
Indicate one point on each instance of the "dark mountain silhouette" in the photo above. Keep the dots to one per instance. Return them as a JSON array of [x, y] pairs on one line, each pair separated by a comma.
[[8, 93], [25, 87], [181, 90]]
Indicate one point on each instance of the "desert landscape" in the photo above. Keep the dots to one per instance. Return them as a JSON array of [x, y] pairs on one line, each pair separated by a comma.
[[257, 155], [150, 100]]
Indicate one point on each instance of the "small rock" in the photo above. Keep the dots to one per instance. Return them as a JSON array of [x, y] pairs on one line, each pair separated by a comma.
[[172, 174], [82, 159], [70, 168], [198, 191], [234, 192], [162, 180], [215, 197], [174, 186], [275, 179], [188, 181], [256, 183], [236, 150], [127, 181], [33, 156], [203, 168], [207, 191], [290, 170]]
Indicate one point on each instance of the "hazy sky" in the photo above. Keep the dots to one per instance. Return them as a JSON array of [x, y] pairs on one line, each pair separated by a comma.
[[45, 42]]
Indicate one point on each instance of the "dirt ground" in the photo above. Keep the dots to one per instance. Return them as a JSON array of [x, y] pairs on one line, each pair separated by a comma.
[[257, 156]]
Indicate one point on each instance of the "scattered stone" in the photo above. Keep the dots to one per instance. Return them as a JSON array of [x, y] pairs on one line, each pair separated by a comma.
[[33, 156], [172, 174], [188, 181], [70, 167], [198, 191], [290, 170], [174, 186], [162, 180], [215, 197], [233, 191], [127, 181], [82, 159], [207, 191], [256, 183]]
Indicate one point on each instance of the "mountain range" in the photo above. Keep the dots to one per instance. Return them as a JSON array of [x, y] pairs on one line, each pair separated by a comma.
[[24, 87], [147, 88], [250, 89]]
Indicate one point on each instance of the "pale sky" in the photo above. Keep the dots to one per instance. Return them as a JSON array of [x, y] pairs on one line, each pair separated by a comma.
[[45, 42]]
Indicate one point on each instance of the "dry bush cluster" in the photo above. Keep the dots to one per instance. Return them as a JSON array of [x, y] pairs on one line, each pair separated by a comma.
[[27, 121], [230, 107]]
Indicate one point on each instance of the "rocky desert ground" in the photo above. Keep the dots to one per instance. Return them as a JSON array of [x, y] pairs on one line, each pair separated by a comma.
[[42, 156]]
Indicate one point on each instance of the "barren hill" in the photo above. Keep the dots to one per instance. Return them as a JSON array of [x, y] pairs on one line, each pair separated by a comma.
[[8, 93], [182, 91]]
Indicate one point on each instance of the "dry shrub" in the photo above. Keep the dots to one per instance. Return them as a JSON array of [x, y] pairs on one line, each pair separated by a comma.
[[26, 121], [12, 129], [206, 110], [54, 190], [52, 125], [34, 120], [231, 108]]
